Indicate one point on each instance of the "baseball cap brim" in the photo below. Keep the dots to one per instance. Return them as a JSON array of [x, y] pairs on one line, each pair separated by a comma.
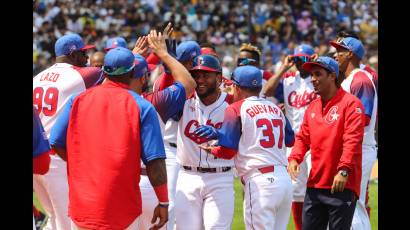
[[309, 65], [208, 51], [87, 47], [338, 45], [199, 67]]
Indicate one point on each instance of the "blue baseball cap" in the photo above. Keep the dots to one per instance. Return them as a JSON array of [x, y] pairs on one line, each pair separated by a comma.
[[351, 44], [69, 43], [118, 61], [115, 42], [324, 62], [247, 76], [303, 50], [141, 66], [188, 50]]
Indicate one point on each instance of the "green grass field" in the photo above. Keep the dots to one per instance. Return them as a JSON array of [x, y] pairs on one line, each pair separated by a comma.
[[238, 223]]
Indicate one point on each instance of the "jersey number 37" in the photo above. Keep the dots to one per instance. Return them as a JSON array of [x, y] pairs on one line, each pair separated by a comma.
[[267, 131], [45, 101]]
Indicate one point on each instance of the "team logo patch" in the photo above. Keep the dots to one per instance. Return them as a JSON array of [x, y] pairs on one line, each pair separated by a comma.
[[358, 110], [332, 115]]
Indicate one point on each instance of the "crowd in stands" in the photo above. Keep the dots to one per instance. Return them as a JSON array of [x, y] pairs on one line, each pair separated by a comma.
[[277, 26]]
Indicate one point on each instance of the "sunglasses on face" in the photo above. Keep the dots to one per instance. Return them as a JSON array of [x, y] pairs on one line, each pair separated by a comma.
[[246, 61]]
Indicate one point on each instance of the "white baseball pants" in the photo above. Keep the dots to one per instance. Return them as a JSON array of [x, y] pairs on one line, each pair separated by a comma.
[[361, 220], [149, 198], [52, 192], [268, 200], [204, 200]]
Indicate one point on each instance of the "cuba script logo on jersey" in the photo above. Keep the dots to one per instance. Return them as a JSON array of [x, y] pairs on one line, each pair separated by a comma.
[[332, 115], [192, 125], [301, 100]]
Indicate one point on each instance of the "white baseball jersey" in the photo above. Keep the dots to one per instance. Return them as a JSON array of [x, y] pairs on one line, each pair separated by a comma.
[[195, 113], [360, 83], [259, 126], [298, 93], [53, 87], [170, 132]]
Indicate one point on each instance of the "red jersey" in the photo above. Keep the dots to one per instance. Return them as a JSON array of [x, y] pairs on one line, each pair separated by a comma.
[[107, 130], [334, 134]]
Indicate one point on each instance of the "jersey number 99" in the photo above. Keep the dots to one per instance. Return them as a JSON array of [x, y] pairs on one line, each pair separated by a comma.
[[267, 132], [47, 101]]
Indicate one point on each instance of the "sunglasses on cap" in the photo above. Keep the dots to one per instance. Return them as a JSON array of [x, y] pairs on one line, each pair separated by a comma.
[[246, 61], [117, 70], [302, 59]]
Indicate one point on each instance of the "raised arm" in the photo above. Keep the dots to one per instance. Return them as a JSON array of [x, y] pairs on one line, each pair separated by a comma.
[[273, 82], [157, 43]]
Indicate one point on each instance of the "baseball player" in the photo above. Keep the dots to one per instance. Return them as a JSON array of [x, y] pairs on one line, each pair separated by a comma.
[[332, 128], [185, 52], [298, 92], [251, 55], [166, 102], [360, 83], [106, 131], [51, 90], [344, 34], [254, 134], [204, 191]]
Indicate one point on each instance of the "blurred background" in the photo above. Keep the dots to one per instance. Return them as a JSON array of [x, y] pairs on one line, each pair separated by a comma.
[[276, 25]]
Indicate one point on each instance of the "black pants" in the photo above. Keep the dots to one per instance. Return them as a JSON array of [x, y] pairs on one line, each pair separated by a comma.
[[321, 207]]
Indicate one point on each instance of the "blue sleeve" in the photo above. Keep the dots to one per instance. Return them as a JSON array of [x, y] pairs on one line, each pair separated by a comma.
[[58, 132], [152, 144], [230, 132], [363, 89], [40, 142], [289, 133], [279, 92], [168, 102]]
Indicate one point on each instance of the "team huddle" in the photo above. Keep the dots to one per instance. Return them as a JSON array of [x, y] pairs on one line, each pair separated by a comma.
[[109, 153]]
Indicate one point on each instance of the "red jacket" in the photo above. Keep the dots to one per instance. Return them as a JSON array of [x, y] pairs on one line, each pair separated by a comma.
[[335, 138]]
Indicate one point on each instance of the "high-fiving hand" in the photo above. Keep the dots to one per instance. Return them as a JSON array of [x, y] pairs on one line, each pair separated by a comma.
[[156, 42]]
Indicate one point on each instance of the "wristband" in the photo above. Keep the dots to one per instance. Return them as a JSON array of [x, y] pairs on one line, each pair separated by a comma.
[[162, 193]]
